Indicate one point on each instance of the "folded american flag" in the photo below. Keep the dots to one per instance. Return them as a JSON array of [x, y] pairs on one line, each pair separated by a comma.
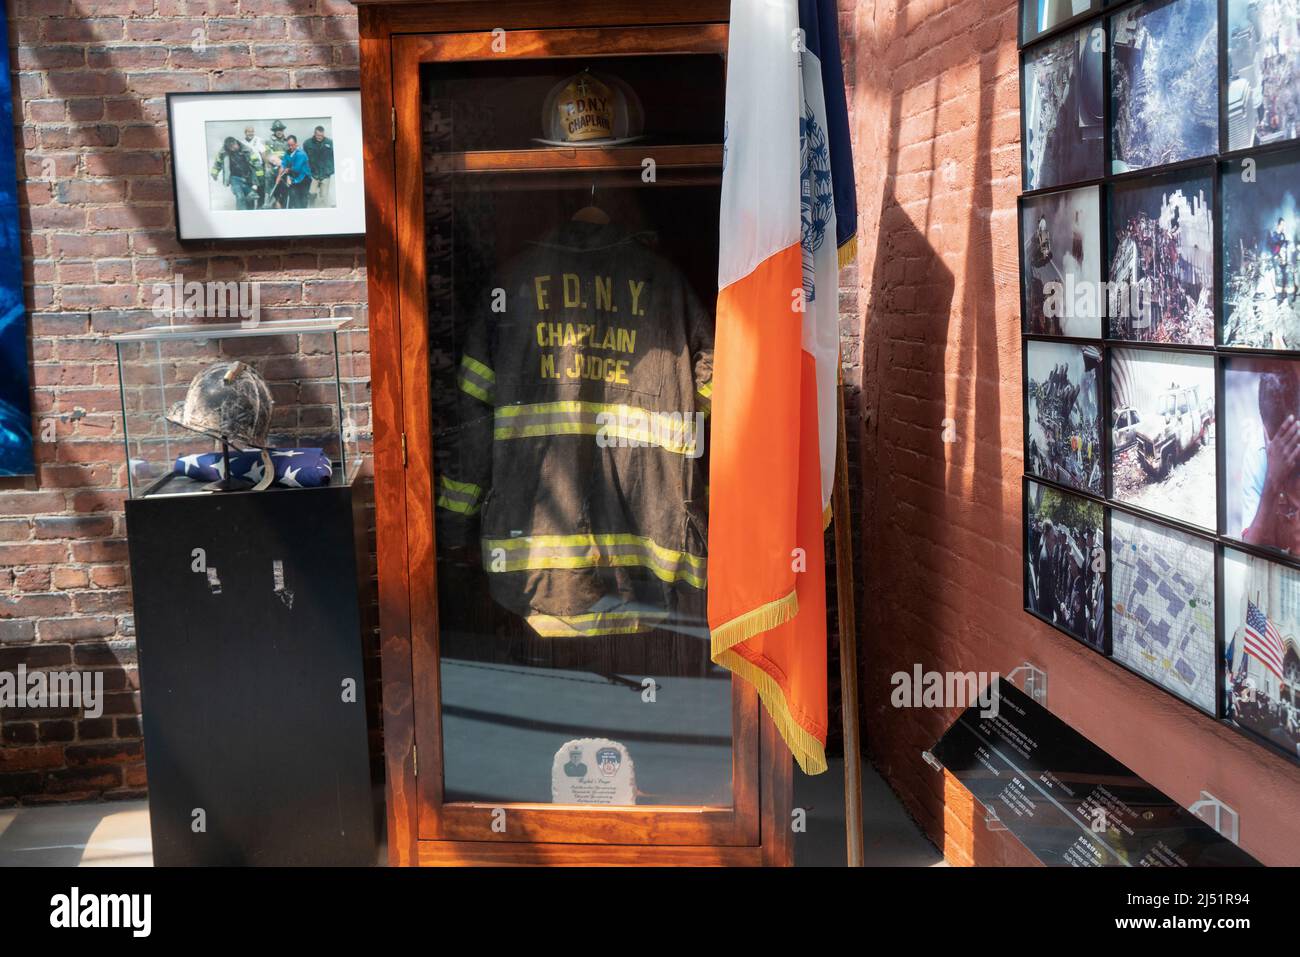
[[296, 468]]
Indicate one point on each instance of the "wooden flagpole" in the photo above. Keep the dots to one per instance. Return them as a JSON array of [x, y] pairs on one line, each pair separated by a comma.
[[842, 516]]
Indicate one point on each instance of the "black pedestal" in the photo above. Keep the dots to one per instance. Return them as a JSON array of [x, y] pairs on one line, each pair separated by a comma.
[[249, 634]]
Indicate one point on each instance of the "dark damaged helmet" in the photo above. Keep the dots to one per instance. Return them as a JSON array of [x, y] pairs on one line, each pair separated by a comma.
[[230, 400]]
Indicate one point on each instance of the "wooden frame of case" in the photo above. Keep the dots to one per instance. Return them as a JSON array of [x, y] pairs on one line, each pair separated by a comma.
[[395, 38]]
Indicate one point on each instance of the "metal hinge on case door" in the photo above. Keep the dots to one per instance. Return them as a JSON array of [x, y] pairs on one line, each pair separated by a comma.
[[394, 124], [403, 450], [415, 761]]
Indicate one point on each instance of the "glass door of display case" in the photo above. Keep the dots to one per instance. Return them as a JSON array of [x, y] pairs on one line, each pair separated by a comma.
[[557, 231]]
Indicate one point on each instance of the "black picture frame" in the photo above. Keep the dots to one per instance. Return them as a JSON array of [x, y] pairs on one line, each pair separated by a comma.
[[1032, 200], [1174, 131], [1089, 559], [1235, 90], [1091, 165], [1217, 164], [1096, 446], [1225, 689], [1175, 444], [1196, 183], [1228, 528], [174, 98], [1250, 175], [1200, 540]]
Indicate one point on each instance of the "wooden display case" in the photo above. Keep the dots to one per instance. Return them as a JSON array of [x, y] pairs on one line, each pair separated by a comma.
[[451, 92]]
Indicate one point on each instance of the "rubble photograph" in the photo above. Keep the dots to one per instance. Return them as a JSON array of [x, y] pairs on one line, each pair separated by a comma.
[[1161, 281], [1260, 239], [1164, 81], [1263, 100], [1162, 434], [1063, 402], [1061, 86]]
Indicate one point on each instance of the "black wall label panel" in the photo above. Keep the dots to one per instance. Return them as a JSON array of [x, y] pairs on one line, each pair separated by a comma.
[[1070, 803]]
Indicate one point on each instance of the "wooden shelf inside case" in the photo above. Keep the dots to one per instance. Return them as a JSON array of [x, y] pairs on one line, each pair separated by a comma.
[[558, 159]]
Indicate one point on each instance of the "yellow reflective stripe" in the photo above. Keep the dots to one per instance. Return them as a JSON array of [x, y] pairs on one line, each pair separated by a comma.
[[469, 362], [589, 551], [451, 505], [705, 393], [455, 486], [555, 562], [590, 541], [595, 623], [588, 428], [666, 430], [475, 391], [476, 379], [462, 497]]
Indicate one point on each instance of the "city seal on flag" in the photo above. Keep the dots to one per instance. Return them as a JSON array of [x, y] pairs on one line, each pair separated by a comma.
[[817, 197]]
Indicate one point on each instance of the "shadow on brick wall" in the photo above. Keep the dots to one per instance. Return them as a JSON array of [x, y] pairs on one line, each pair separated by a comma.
[[935, 504], [98, 231]]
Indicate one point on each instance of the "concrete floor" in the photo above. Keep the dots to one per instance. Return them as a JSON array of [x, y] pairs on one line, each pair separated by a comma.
[[82, 835], [117, 834], [891, 838]]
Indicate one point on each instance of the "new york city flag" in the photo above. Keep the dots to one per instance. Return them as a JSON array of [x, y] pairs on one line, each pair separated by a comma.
[[787, 224]]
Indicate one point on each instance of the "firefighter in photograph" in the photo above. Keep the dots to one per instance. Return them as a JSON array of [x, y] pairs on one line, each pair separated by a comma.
[[585, 383], [277, 194], [235, 168]]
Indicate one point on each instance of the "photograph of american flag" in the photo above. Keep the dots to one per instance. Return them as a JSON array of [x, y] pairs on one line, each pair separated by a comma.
[[1263, 640]]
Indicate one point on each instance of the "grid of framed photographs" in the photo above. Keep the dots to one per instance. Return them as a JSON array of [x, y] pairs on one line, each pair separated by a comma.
[[1160, 327]]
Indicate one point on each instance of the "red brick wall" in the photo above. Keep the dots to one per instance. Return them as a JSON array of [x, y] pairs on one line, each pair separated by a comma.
[[90, 78], [936, 131]]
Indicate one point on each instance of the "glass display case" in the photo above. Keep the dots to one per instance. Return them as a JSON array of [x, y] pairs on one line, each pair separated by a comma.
[[591, 625], [210, 407], [542, 265]]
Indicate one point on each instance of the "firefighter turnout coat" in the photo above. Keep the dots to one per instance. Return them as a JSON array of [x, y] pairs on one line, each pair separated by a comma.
[[584, 390]]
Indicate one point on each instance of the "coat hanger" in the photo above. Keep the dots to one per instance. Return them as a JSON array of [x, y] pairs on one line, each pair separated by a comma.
[[591, 213]]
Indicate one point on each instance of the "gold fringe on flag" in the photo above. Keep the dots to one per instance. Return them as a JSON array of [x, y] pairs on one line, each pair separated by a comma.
[[849, 250]]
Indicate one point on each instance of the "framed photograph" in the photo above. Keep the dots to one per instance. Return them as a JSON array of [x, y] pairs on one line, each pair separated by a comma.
[[1060, 263], [1263, 89], [1162, 607], [1162, 434], [1261, 233], [1164, 82], [1161, 251], [1064, 580], [1042, 16], [1063, 400], [1064, 130], [267, 164], [1261, 481], [1261, 633]]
